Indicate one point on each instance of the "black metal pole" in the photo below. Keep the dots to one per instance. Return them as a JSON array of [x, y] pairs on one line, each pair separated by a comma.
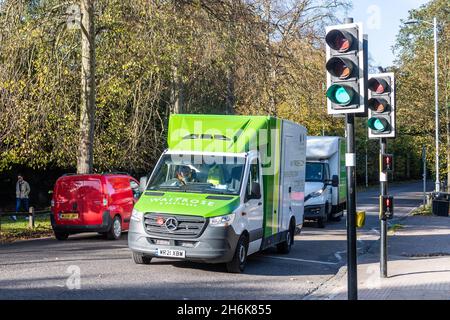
[[383, 222], [350, 163]]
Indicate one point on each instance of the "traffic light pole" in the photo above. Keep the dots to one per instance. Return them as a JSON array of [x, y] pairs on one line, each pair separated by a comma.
[[350, 162], [383, 222]]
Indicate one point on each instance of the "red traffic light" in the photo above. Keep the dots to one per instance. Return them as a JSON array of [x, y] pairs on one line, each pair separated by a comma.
[[386, 207], [387, 162], [377, 85], [339, 40]]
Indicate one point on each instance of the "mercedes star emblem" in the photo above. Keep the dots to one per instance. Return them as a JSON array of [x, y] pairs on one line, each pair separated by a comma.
[[171, 224]]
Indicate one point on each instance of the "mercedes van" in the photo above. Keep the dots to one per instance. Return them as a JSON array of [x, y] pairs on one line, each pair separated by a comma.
[[226, 187]]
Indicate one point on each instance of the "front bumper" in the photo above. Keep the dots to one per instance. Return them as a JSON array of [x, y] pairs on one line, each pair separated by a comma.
[[214, 245], [313, 212], [72, 229]]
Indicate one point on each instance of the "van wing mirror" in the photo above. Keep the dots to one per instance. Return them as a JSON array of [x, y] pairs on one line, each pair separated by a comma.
[[142, 184], [256, 191], [335, 181]]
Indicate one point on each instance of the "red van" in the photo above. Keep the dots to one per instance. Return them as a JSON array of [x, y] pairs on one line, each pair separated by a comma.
[[93, 203]]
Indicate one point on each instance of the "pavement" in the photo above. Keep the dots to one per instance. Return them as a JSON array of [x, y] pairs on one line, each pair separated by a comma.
[[418, 265], [89, 267]]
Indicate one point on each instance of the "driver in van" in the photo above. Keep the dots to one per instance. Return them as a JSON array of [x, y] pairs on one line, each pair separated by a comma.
[[185, 174]]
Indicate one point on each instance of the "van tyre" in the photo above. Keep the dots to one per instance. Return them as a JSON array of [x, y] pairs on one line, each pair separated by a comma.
[[61, 236], [139, 258], [333, 212], [285, 246], [116, 229], [237, 265]]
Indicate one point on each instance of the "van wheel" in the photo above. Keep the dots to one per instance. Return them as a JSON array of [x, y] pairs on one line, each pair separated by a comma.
[[139, 258], [61, 236], [285, 246], [237, 265], [116, 229]]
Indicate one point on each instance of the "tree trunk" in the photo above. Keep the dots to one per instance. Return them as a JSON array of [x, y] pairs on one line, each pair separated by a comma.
[[176, 91], [88, 90], [231, 99], [408, 165]]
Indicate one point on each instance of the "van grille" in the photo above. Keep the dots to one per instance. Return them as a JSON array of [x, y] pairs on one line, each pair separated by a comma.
[[186, 226]]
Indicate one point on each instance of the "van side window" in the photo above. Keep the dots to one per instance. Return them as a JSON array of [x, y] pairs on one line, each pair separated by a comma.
[[253, 190], [135, 188]]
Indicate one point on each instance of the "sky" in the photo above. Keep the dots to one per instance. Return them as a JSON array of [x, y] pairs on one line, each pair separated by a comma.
[[381, 21]]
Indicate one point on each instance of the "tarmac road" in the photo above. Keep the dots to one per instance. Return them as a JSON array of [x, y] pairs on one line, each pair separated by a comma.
[[89, 267]]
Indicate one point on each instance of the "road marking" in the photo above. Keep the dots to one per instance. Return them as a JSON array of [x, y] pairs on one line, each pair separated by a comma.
[[302, 260], [338, 254]]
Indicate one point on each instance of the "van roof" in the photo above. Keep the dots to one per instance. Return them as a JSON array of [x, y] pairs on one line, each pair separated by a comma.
[[216, 133], [321, 147], [93, 175]]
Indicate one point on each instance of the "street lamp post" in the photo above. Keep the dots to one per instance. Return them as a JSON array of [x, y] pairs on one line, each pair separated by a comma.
[[436, 94]]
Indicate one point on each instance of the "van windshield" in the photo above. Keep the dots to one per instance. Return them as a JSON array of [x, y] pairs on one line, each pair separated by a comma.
[[198, 173], [315, 172]]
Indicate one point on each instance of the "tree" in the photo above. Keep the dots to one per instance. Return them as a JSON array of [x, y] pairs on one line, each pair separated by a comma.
[[415, 83], [88, 88]]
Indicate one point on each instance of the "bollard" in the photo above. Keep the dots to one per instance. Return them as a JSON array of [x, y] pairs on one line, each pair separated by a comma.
[[31, 218]]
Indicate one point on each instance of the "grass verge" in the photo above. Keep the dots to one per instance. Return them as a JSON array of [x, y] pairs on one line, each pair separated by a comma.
[[11, 231], [393, 228], [422, 211]]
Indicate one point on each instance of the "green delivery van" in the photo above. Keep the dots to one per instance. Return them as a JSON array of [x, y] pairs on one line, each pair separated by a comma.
[[226, 187]]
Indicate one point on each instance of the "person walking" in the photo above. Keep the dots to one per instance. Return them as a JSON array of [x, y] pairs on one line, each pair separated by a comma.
[[22, 195]]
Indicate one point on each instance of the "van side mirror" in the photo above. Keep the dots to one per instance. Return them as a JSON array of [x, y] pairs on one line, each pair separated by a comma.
[[255, 193], [142, 184], [335, 181]]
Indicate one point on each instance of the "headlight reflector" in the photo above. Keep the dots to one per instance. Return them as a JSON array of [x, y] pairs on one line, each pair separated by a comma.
[[317, 193], [222, 221]]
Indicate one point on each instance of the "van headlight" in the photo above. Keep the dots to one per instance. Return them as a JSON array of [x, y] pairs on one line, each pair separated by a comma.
[[137, 215], [316, 194], [222, 221]]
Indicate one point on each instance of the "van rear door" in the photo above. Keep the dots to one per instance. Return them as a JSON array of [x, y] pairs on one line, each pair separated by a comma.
[[92, 196], [79, 200], [68, 200]]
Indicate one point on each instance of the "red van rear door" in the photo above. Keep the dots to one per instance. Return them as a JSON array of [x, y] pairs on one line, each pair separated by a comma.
[[68, 200], [92, 195], [79, 200]]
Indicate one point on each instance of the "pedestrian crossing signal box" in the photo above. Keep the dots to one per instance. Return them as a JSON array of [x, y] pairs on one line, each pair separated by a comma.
[[386, 162], [386, 207]]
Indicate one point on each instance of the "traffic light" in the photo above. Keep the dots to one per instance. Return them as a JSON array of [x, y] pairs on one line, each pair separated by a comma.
[[381, 104], [386, 207], [345, 68], [386, 162]]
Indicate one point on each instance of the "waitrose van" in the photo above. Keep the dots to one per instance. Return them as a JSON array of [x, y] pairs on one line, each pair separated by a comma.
[[227, 187]]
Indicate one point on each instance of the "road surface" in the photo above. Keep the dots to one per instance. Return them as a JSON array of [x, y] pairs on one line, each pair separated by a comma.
[[89, 267]]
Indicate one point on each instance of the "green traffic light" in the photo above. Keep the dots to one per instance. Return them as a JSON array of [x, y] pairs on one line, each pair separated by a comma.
[[378, 124], [340, 94]]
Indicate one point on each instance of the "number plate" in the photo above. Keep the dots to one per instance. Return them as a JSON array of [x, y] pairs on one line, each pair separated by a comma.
[[69, 216], [171, 253]]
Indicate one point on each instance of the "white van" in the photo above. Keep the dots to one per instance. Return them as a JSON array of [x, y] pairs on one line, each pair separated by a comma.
[[325, 186]]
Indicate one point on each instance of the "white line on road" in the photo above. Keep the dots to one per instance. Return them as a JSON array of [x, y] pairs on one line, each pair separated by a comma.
[[302, 260]]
